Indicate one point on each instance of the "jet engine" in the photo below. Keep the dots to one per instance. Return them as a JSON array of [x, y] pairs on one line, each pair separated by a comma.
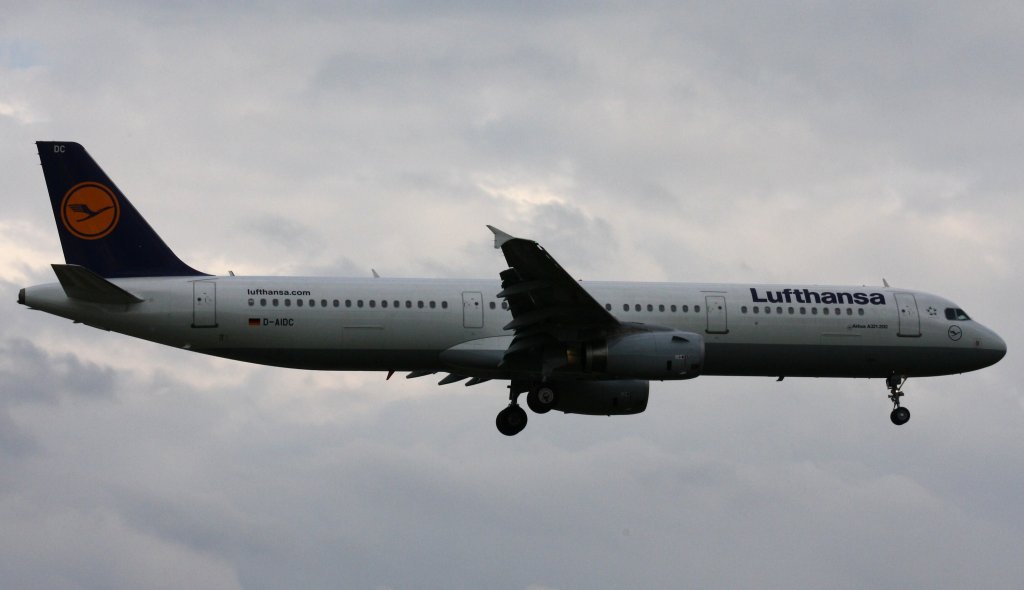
[[601, 398], [670, 354]]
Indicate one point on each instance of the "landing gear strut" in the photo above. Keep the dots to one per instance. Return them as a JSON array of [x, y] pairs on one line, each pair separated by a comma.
[[899, 415], [512, 420]]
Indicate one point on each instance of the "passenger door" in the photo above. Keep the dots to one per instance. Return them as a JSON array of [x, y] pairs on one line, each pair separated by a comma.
[[910, 319], [204, 304]]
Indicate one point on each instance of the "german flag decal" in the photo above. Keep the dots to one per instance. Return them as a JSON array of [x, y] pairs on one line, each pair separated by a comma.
[[253, 322]]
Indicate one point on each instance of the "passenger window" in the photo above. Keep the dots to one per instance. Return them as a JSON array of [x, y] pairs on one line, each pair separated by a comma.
[[637, 307], [408, 304], [348, 303], [849, 311], [384, 303], [673, 308], [275, 302], [493, 305], [335, 303], [686, 308], [860, 311], [650, 307], [778, 310], [398, 304], [419, 304], [444, 305], [696, 309], [743, 309], [263, 302], [298, 302], [767, 309], [803, 311], [373, 303], [824, 310], [625, 307], [608, 306], [312, 303], [359, 302], [661, 308], [791, 310], [252, 302], [814, 311], [287, 302], [757, 309]]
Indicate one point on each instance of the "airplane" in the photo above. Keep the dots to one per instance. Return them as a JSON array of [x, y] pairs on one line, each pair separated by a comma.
[[586, 348]]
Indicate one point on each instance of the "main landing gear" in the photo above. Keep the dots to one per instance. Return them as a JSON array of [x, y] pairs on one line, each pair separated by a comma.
[[512, 420], [541, 399], [899, 415]]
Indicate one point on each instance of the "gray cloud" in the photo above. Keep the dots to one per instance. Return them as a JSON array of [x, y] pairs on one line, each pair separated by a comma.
[[824, 143]]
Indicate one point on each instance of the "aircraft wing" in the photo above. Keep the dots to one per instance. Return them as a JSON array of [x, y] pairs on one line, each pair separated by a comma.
[[547, 304]]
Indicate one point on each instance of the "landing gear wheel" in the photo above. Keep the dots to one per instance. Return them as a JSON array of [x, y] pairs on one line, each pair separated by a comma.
[[900, 416], [511, 421], [541, 400]]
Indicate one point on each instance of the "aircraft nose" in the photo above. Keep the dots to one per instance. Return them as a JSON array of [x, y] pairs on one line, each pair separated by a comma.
[[998, 347], [990, 346]]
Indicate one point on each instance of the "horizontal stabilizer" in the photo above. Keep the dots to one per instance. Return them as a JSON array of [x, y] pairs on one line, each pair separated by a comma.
[[81, 283]]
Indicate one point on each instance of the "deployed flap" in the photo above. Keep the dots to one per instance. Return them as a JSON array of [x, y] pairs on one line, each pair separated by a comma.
[[81, 283], [545, 301]]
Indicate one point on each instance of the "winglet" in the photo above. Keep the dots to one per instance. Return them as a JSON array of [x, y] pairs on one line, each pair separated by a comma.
[[500, 237]]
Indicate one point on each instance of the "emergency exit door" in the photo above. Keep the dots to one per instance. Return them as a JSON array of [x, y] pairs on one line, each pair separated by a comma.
[[472, 309], [717, 314]]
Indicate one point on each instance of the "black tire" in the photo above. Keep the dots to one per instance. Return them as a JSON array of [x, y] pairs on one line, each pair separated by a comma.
[[900, 416], [541, 400], [511, 421]]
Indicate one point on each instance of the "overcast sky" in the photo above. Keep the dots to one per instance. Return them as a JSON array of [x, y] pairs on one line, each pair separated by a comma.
[[804, 142]]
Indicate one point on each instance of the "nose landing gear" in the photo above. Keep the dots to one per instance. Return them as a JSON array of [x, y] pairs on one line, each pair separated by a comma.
[[899, 415]]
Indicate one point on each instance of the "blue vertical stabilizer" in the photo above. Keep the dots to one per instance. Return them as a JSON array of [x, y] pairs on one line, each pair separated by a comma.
[[99, 229]]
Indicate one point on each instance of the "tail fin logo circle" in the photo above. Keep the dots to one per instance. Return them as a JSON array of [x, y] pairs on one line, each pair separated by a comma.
[[90, 211]]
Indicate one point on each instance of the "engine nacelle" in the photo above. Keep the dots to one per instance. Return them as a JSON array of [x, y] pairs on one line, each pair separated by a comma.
[[648, 355], [601, 398]]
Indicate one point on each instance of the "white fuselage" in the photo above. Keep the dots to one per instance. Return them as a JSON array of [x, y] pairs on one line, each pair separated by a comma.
[[408, 324]]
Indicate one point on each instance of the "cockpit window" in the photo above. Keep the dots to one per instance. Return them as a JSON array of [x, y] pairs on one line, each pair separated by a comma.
[[956, 314]]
